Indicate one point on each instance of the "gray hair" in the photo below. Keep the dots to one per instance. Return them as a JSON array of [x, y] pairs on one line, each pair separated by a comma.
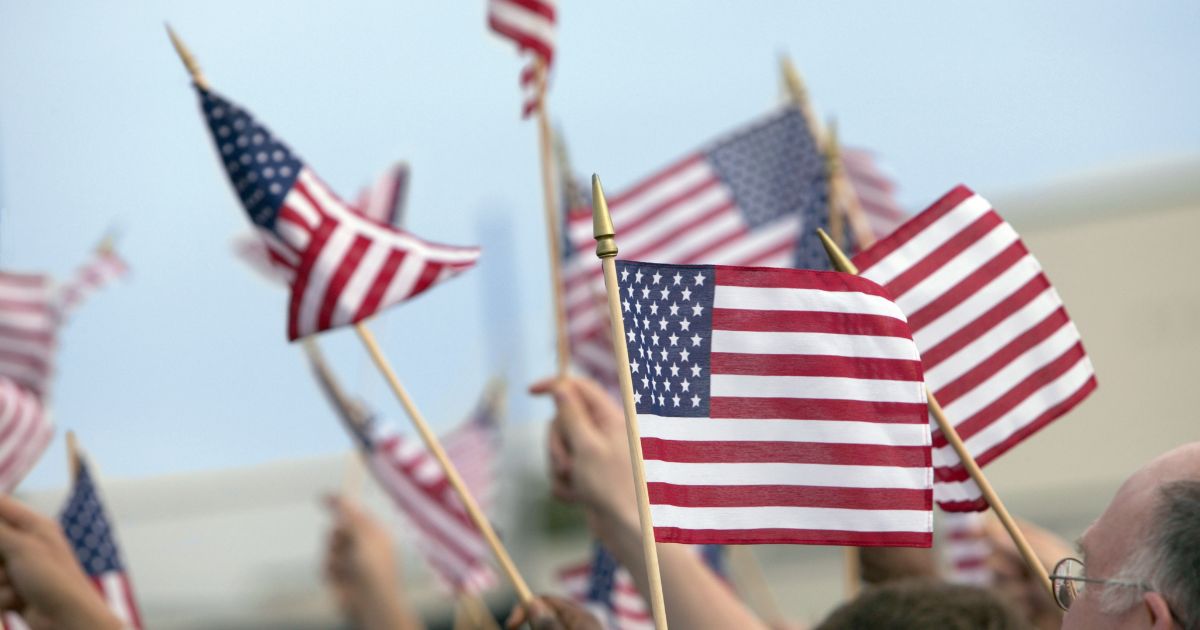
[[1168, 561]]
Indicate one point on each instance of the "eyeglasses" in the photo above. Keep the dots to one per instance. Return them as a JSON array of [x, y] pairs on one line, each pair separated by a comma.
[[1068, 582]]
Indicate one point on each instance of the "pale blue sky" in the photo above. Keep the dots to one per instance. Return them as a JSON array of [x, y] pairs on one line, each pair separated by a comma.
[[185, 366]]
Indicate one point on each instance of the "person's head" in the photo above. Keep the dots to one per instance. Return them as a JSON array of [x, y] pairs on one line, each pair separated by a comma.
[[1145, 549], [921, 604]]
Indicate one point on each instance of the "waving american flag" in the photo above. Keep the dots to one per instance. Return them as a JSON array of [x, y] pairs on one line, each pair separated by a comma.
[[745, 199], [341, 266], [1000, 353], [777, 406], [530, 25], [86, 524]]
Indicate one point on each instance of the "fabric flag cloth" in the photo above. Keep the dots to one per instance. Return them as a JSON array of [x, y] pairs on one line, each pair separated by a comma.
[[90, 533], [966, 549], [28, 329], [777, 406], [608, 591], [1000, 353], [473, 446], [530, 24], [342, 267], [417, 484], [876, 191], [382, 202], [744, 199], [25, 431], [104, 267]]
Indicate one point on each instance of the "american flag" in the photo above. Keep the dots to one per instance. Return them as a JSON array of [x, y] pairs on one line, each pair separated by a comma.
[[777, 406], [382, 202], [474, 444], [342, 267], [25, 432], [966, 549], [875, 190], [608, 591], [91, 536], [104, 267], [742, 200], [28, 327], [530, 25], [418, 486], [1000, 353]]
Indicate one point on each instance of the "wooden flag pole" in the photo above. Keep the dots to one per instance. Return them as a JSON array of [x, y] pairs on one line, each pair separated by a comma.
[[189, 61], [843, 201], [74, 461], [606, 251], [843, 264], [435, 448], [842, 192], [553, 231]]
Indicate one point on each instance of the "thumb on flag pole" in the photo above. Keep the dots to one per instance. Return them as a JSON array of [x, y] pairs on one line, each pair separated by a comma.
[[606, 250], [478, 518], [843, 264]]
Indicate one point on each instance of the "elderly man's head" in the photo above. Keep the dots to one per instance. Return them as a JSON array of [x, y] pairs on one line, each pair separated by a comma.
[[1147, 543]]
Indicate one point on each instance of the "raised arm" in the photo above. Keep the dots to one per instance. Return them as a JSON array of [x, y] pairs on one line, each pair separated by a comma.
[[589, 460]]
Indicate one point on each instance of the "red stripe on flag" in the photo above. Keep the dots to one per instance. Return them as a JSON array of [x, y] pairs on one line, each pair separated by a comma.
[[669, 203], [946, 252], [815, 365], [978, 327], [337, 282], [773, 278], [429, 274], [912, 227], [1017, 394], [987, 368], [967, 286], [300, 284], [732, 452], [830, 497], [768, 536], [380, 285], [808, 321], [816, 409]]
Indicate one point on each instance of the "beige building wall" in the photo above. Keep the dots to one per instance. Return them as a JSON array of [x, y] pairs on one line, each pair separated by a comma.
[[241, 548]]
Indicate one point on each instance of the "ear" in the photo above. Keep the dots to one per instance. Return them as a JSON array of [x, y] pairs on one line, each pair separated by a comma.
[[1160, 612]]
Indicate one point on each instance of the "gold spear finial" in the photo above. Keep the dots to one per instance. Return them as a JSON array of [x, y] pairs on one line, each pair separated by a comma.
[[836, 256], [602, 225], [189, 61]]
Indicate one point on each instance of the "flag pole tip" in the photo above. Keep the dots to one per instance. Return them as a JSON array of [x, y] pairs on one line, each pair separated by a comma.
[[185, 55], [602, 225], [836, 256], [73, 457]]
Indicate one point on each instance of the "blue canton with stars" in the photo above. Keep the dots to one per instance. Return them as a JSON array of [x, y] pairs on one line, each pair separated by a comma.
[[86, 525], [261, 168], [667, 311], [602, 577], [774, 169]]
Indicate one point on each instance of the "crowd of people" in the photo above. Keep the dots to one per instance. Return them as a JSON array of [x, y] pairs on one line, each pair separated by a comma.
[[1137, 566]]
